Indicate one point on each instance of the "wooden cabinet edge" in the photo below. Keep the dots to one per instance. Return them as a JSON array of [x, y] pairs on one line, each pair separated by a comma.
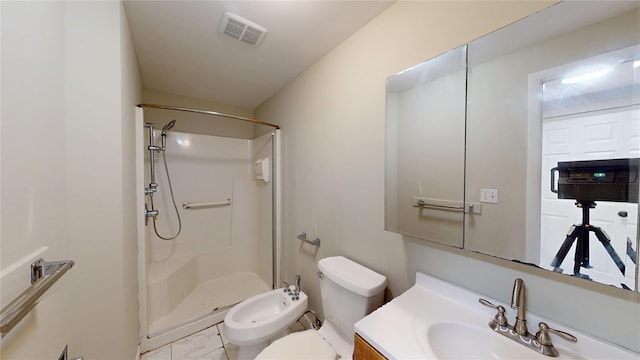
[[363, 351]]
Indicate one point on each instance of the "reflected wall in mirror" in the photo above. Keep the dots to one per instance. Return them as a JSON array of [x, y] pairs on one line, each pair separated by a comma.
[[559, 86], [424, 181], [543, 91]]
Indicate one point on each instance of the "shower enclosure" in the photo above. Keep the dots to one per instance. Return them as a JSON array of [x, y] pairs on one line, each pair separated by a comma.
[[222, 175]]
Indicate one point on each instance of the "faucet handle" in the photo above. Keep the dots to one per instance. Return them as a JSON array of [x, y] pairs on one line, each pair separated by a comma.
[[543, 335], [500, 319], [287, 287]]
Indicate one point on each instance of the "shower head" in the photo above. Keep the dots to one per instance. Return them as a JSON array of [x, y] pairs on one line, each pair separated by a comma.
[[168, 126]]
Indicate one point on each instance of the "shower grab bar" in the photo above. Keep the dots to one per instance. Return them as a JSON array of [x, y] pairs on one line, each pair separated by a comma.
[[43, 276], [188, 205], [207, 112]]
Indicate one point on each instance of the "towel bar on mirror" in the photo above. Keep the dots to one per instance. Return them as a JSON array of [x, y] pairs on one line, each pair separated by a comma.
[[438, 204], [447, 205], [43, 276]]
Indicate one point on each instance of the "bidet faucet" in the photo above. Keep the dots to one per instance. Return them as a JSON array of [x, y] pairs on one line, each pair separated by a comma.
[[295, 293], [518, 303], [297, 284]]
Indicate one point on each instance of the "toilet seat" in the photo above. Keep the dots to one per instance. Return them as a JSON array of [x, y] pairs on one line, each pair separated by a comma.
[[308, 344]]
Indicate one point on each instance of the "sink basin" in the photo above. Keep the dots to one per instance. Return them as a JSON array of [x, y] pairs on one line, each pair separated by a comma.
[[454, 340], [451, 340], [447, 322]]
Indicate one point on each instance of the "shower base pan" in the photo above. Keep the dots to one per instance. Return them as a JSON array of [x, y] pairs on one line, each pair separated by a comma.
[[206, 305]]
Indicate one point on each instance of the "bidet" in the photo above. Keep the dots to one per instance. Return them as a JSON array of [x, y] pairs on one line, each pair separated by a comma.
[[259, 320]]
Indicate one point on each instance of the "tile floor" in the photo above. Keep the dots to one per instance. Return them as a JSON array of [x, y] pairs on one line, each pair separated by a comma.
[[208, 344]]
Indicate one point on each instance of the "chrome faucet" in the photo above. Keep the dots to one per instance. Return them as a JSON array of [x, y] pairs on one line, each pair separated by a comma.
[[518, 303], [295, 293], [297, 285], [541, 341]]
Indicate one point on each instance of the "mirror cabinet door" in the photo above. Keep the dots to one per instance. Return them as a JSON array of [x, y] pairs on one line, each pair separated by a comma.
[[473, 135], [424, 174], [543, 92]]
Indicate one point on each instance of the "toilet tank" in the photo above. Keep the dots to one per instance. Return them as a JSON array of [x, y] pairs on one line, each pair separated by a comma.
[[349, 292]]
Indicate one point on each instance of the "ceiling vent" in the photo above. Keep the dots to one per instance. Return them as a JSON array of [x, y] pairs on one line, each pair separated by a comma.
[[241, 29]]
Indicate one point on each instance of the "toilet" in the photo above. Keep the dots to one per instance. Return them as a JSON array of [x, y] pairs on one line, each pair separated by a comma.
[[349, 292], [255, 322]]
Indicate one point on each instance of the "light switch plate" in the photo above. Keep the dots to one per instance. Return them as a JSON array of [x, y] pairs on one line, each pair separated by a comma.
[[489, 196]]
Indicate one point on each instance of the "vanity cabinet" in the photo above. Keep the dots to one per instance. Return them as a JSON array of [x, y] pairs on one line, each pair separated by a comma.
[[363, 351]]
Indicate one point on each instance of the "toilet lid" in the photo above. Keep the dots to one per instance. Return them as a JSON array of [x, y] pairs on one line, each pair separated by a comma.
[[306, 344]]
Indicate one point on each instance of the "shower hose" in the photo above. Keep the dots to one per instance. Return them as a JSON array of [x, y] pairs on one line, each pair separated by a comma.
[[166, 168]]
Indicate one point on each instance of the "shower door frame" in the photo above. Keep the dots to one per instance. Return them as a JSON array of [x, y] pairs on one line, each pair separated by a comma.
[[145, 342]]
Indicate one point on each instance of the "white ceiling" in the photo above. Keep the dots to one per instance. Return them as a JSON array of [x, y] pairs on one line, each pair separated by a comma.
[[180, 51]]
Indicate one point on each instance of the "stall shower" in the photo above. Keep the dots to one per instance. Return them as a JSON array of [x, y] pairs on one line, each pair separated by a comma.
[[208, 236]]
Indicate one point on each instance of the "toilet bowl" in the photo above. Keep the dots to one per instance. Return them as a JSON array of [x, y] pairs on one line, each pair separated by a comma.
[[255, 322], [349, 292]]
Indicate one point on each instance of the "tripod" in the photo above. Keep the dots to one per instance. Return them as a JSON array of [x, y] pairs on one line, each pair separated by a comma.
[[581, 234]]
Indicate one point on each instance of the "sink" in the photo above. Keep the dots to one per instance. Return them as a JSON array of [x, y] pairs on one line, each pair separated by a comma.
[[438, 320], [450, 340]]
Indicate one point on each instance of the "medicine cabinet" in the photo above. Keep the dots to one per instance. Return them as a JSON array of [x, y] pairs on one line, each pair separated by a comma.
[[471, 137]]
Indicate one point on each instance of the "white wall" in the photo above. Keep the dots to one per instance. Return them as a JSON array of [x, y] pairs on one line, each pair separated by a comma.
[[333, 126], [202, 169], [32, 190], [70, 80], [131, 94]]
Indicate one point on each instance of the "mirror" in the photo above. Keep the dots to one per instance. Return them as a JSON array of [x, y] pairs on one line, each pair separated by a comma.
[[424, 188], [558, 88]]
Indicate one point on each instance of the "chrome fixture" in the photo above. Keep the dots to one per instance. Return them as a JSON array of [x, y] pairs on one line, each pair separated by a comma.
[[153, 186], [41, 268], [518, 303], [500, 319], [438, 204], [542, 336], [310, 320], [167, 127], [295, 293], [297, 284], [65, 355], [189, 205], [519, 333], [207, 112], [43, 276], [149, 214], [303, 237], [149, 210]]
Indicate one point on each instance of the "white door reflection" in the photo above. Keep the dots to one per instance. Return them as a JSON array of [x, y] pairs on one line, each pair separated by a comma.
[[578, 124]]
